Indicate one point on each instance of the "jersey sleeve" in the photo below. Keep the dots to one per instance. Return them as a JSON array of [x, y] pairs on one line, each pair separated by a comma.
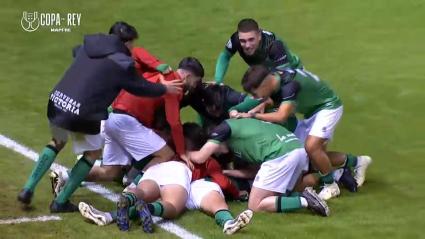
[[172, 113], [220, 133], [232, 44], [143, 57], [290, 91]]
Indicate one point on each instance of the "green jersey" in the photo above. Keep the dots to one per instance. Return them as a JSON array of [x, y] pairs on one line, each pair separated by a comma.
[[306, 90], [255, 141]]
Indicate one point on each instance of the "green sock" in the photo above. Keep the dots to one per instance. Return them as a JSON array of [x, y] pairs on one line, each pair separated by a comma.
[[137, 178], [131, 198], [326, 178], [222, 216], [156, 209], [132, 213], [44, 162], [287, 204], [351, 161], [78, 174]]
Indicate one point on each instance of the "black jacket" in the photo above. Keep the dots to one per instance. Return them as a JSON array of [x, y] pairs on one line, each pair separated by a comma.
[[101, 68]]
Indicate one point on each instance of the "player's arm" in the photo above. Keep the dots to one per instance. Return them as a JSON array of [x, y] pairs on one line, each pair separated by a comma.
[[245, 173], [223, 59], [139, 86], [246, 105], [218, 135], [143, 57], [172, 114], [287, 107]]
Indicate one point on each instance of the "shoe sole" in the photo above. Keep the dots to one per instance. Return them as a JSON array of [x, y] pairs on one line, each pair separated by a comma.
[[145, 217], [322, 203], [368, 161], [123, 221], [87, 212], [243, 219]]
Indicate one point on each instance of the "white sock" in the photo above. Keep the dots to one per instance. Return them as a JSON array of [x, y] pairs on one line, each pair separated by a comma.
[[304, 202], [109, 217]]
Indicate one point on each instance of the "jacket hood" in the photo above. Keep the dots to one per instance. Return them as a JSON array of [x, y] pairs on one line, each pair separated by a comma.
[[101, 45]]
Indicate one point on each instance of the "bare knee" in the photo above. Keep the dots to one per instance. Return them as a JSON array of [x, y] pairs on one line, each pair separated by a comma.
[[93, 155], [57, 144]]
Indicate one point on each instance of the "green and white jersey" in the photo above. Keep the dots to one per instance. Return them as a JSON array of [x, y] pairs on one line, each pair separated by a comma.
[[255, 141], [306, 90]]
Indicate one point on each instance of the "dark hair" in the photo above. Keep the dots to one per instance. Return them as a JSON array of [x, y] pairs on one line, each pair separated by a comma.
[[124, 31], [248, 25], [194, 135], [213, 96], [193, 65], [254, 76]]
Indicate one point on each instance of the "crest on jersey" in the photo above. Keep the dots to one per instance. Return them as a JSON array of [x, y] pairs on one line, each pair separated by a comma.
[[229, 44]]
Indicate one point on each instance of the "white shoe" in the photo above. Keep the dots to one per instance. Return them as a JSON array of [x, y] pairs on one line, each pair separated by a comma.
[[329, 191], [57, 180], [98, 217], [360, 169], [243, 219]]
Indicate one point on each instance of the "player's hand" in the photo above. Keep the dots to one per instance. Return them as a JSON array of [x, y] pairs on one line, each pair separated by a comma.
[[243, 196], [189, 163], [168, 70], [173, 87], [246, 115], [234, 114]]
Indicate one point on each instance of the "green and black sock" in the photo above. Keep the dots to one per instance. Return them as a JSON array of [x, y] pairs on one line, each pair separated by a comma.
[[156, 209], [222, 216], [45, 160], [326, 178], [351, 161], [287, 204], [78, 174]]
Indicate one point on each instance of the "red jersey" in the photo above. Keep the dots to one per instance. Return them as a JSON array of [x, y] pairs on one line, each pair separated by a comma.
[[144, 108], [145, 63], [211, 168]]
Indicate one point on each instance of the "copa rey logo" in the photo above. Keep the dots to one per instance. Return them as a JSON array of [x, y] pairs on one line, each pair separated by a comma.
[[31, 21]]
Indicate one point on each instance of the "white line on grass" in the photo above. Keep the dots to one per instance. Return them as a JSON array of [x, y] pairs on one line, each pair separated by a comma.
[[29, 219], [99, 189]]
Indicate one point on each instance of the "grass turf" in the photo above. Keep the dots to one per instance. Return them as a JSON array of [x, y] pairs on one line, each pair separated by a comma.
[[371, 53]]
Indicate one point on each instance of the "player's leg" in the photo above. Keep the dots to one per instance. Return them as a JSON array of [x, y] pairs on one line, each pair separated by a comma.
[[278, 177], [91, 147], [45, 160], [208, 197], [320, 128]]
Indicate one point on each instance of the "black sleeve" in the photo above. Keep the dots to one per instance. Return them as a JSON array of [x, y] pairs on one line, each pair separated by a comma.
[[289, 91], [221, 132], [141, 87], [133, 83], [233, 97], [75, 50], [233, 43], [278, 54]]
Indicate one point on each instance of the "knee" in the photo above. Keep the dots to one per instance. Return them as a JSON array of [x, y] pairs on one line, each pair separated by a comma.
[[93, 155], [57, 144]]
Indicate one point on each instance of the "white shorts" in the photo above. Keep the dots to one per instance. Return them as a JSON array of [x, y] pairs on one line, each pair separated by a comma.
[[168, 173], [280, 175], [322, 124], [80, 142], [198, 190], [126, 139]]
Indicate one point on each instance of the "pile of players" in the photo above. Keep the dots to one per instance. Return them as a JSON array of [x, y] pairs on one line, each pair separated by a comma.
[[120, 104]]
